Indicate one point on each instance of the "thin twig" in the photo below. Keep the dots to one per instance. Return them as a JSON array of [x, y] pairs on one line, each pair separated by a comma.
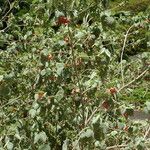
[[9, 2], [115, 146], [90, 6], [139, 76], [122, 52], [6, 143], [3, 30], [10, 102], [76, 72], [93, 113], [11, 7], [119, 5], [77, 141], [88, 90], [147, 132], [86, 117], [85, 125]]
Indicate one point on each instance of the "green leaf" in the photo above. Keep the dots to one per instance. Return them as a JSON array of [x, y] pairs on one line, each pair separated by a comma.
[[79, 35], [87, 134], [38, 31], [113, 133], [110, 20], [43, 72], [97, 144], [76, 145], [10, 145], [65, 145], [147, 107], [43, 136], [61, 42], [36, 96], [94, 74], [4, 89], [10, 75], [59, 13], [40, 136], [95, 119], [35, 105], [32, 113], [1, 77], [36, 138], [106, 51], [84, 56], [60, 67], [60, 94], [17, 136], [44, 147]]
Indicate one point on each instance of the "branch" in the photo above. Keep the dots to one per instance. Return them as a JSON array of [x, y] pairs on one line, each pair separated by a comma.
[[122, 52], [90, 6], [115, 146], [93, 113], [11, 7], [76, 72], [139, 76], [10, 102], [147, 132], [86, 123], [3, 30]]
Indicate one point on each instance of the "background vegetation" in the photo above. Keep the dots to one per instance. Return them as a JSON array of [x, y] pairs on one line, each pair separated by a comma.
[[72, 73]]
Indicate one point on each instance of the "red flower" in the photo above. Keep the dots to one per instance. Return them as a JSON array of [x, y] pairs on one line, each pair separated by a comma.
[[112, 90], [116, 127], [125, 115], [126, 128], [63, 20], [105, 104], [49, 57], [66, 39]]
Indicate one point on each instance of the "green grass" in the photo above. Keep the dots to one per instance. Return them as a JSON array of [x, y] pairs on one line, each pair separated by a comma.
[[134, 6]]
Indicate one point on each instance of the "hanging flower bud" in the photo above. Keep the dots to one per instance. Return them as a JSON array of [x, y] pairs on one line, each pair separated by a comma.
[[63, 20]]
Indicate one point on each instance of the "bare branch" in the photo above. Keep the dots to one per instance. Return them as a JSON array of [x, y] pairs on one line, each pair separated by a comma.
[[122, 52], [115, 146], [147, 132], [139, 76], [11, 7]]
